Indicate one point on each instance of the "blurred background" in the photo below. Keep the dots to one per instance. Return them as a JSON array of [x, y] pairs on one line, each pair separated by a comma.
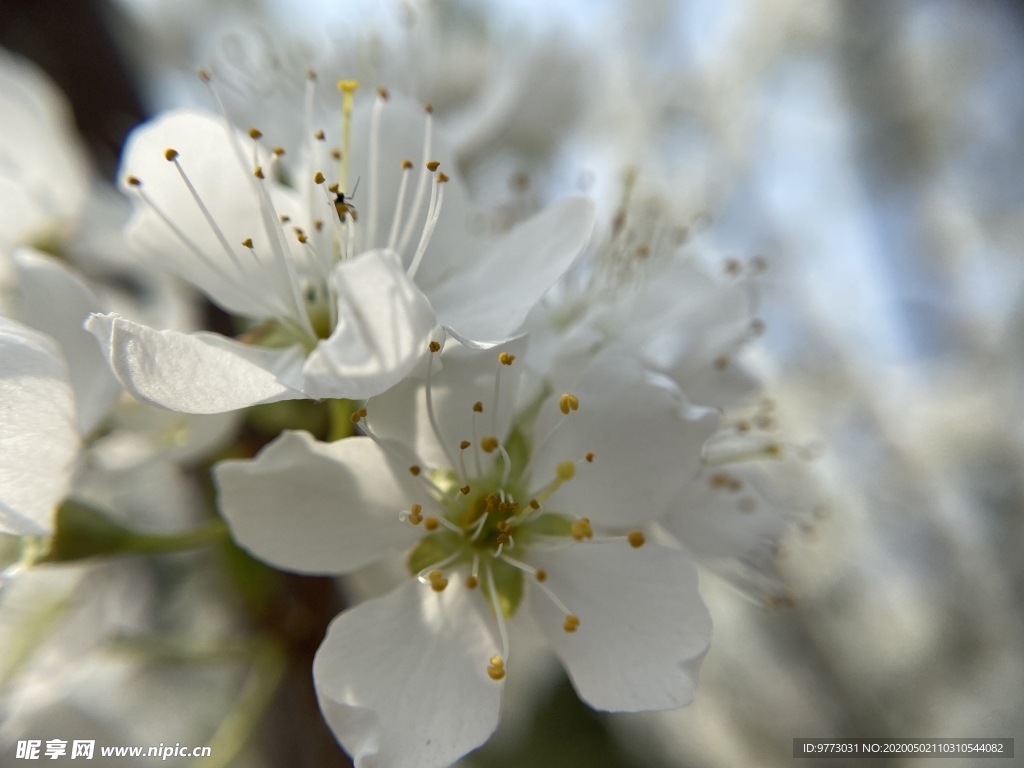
[[864, 155]]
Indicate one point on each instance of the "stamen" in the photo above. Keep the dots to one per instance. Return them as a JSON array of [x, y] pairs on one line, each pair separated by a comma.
[[172, 156], [371, 219], [415, 470], [498, 613], [421, 185], [581, 529], [348, 89], [636, 539], [189, 243], [768, 451], [474, 576], [427, 574], [414, 263], [400, 204], [496, 669], [478, 407], [433, 214], [434, 348], [567, 403], [565, 471]]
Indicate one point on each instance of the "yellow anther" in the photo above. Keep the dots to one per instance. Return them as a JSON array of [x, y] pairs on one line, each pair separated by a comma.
[[581, 529], [568, 402], [496, 669], [733, 267], [258, 173], [534, 504], [589, 457], [433, 165], [319, 178], [442, 177], [348, 86], [311, 74], [336, 154], [302, 238], [636, 539], [541, 575], [247, 242], [464, 445], [643, 251], [406, 165], [435, 347], [572, 623], [255, 133], [285, 218], [431, 524], [437, 581], [415, 470], [506, 359], [383, 93], [204, 75], [489, 444], [472, 582], [333, 189], [357, 415], [133, 181], [319, 135], [566, 470], [318, 225], [170, 154], [428, 108], [721, 362], [478, 407], [464, 490]]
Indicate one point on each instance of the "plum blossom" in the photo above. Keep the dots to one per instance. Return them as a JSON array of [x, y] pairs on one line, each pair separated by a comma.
[[340, 297], [504, 506]]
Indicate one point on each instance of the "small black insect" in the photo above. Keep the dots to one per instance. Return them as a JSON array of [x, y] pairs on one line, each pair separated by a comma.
[[343, 206]]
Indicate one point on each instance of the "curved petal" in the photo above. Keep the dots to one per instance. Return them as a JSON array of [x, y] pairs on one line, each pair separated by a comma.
[[228, 272], [646, 441], [194, 372], [489, 300], [316, 507], [38, 439], [402, 678], [384, 327], [57, 302], [643, 626]]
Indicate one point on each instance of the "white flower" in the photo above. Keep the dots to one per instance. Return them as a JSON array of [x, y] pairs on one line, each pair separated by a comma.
[[342, 302], [43, 171], [544, 520], [39, 438]]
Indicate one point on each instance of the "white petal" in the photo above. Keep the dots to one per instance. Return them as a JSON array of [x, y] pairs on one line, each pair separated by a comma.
[[197, 372], [646, 440], [43, 168], [467, 377], [713, 520], [384, 327], [318, 507], [56, 302], [643, 626], [234, 279], [489, 299], [402, 679], [38, 437]]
